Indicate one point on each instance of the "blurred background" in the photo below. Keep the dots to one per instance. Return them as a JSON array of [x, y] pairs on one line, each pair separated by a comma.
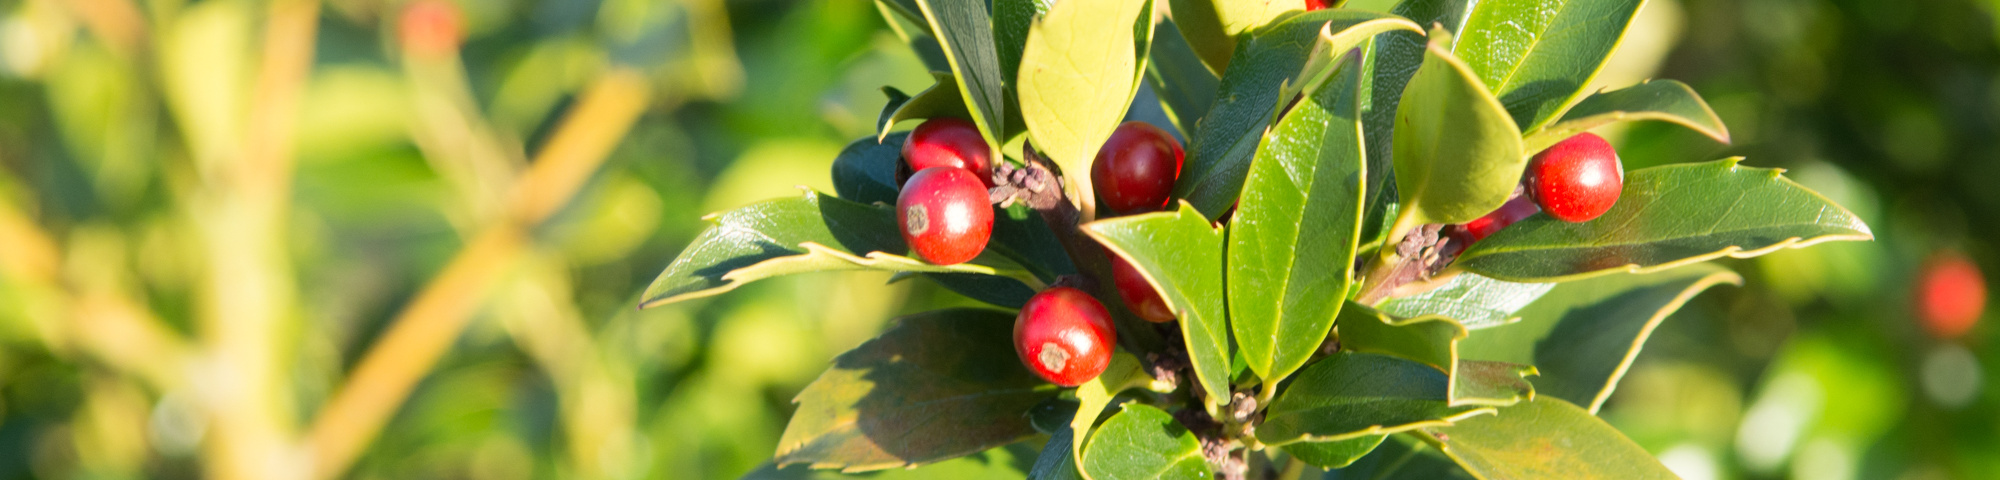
[[376, 239]]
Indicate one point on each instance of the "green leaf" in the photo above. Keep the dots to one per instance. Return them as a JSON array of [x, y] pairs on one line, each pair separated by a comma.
[[1392, 59], [1457, 154], [1582, 336], [1248, 99], [1004, 463], [966, 32], [1093, 396], [1056, 462], [1431, 339], [1475, 301], [1078, 74], [1351, 395], [1185, 87], [803, 234], [1053, 415], [928, 389], [1546, 438], [1011, 21], [1334, 454], [1180, 254], [1537, 55], [1143, 442], [941, 100], [1668, 216], [1499, 384], [1212, 27], [907, 20], [1664, 100], [1401, 457], [1291, 243], [865, 171]]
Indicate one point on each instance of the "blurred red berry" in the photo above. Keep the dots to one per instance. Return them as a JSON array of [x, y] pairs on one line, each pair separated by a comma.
[[1951, 295], [430, 28], [1315, 5]]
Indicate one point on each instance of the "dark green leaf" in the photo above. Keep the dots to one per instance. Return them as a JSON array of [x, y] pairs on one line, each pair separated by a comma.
[[1457, 154], [1004, 463], [810, 233], [928, 389], [1475, 301], [1664, 100], [1291, 243], [1053, 415], [1078, 74], [1546, 438], [941, 100], [1056, 461], [1180, 253], [1667, 217], [1537, 55], [1401, 457], [1583, 335], [1143, 442], [1185, 87], [966, 31], [1267, 60], [865, 171], [1334, 454], [1028, 242], [888, 117], [1351, 395]]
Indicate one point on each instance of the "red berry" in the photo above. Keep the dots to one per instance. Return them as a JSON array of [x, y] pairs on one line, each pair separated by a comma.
[[1576, 180], [1315, 5], [1137, 167], [430, 28], [1065, 336], [949, 142], [945, 215], [1951, 295], [1139, 294], [1514, 210]]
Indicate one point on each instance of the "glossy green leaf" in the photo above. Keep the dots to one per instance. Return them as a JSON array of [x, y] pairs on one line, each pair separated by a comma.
[[1475, 301], [1401, 457], [1248, 98], [1668, 216], [1144, 442], [1392, 59], [1334, 454], [810, 233], [1093, 396], [1213, 26], [865, 171], [1582, 336], [1538, 55], [928, 389], [1351, 395], [1004, 463], [1186, 88], [1291, 243], [1056, 461], [1430, 340], [1499, 384], [1078, 74], [966, 31], [941, 100], [1546, 438], [1457, 153], [1181, 254], [1663, 100]]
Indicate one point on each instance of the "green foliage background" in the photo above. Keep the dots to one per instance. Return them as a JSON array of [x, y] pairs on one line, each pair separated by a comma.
[[1815, 370]]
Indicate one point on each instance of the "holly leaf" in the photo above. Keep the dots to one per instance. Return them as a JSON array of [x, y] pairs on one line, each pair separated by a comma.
[[1663, 100], [1334, 454], [1180, 255], [1249, 96], [1142, 441], [1078, 74], [1093, 396], [1351, 395], [1667, 217], [1475, 301], [1583, 336], [865, 171], [1393, 58], [810, 233], [941, 100], [1545, 438], [1212, 27], [1433, 340], [1056, 462], [966, 32], [1291, 243], [928, 389], [1537, 55], [1186, 88], [1457, 153], [1004, 463]]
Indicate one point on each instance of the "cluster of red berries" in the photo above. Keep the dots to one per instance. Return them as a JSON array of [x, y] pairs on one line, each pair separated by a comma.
[[1062, 334], [1575, 180]]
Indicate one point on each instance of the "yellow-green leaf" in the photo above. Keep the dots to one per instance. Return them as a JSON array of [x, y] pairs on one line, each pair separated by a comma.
[[1546, 438]]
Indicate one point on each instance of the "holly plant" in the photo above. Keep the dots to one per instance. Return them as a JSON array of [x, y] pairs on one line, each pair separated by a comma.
[[1389, 248]]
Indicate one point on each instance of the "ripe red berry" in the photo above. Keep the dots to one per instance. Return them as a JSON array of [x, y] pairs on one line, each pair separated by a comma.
[[949, 142], [1577, 179], [945, 215], [1951, 295], [429, 28], [1315, 5], [1137, 292], [1137, 167], [1065, 336]]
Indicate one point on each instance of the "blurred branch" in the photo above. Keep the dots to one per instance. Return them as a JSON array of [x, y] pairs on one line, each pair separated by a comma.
[[455, 139], [595, 393], [426, 328]]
